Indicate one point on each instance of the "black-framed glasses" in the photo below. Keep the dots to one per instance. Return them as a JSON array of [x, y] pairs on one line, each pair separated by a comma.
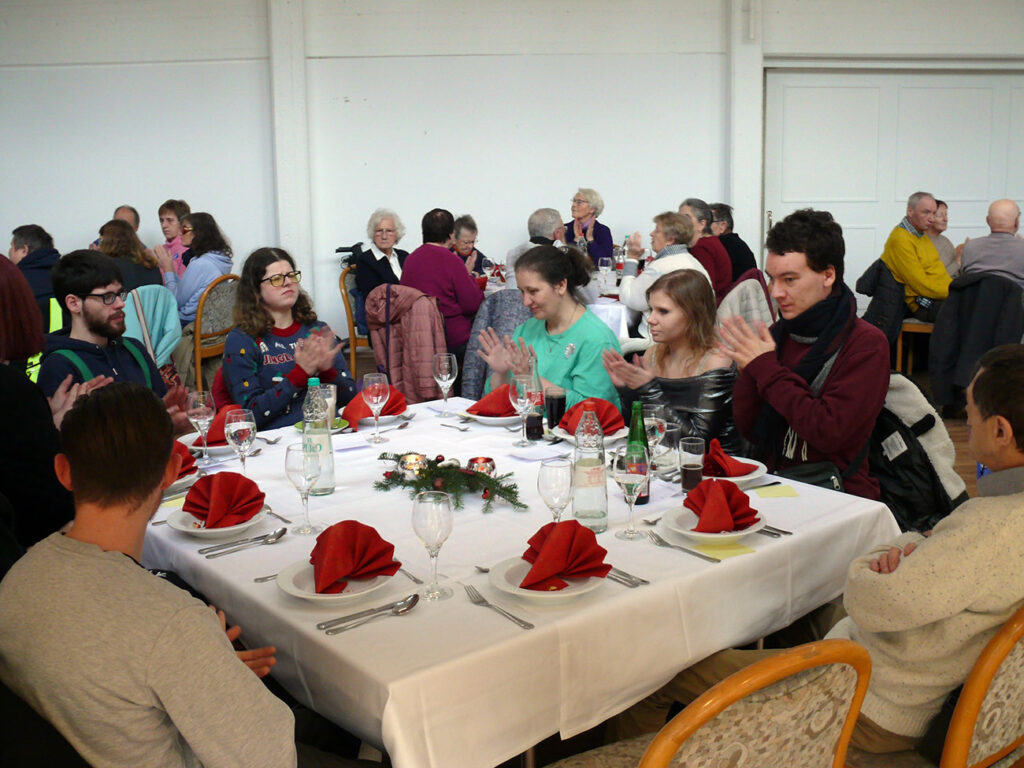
[[106, 298], [278, 280]]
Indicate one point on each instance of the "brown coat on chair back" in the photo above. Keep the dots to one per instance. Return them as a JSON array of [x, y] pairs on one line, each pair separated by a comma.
[[417, 332]]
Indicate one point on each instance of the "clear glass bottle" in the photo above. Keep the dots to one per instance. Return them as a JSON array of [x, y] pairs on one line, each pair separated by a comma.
[[316, 435], [590, 498]]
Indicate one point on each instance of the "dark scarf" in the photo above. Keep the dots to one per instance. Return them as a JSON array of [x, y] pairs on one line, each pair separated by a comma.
[[187, 256], [825, 326]]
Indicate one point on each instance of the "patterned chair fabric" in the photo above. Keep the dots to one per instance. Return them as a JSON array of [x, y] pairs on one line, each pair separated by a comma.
[[1001, 719], [795, 722], [504, 312]]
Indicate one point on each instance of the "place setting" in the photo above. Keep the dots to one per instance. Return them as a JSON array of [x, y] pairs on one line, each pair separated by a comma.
[[378, 404]]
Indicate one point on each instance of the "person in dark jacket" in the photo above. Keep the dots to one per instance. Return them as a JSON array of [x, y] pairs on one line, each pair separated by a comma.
[[32, 250], [382, 262], [138, 266], [740, 255]]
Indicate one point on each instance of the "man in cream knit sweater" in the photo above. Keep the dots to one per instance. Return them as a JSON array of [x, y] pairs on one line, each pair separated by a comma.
[[926, 605]]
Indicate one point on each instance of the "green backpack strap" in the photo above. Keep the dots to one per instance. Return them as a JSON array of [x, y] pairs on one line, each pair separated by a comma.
[[140, 359], [77, 361]]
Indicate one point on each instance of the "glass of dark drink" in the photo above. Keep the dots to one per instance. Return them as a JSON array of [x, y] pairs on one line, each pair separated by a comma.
[[554, 405], [691, 461]]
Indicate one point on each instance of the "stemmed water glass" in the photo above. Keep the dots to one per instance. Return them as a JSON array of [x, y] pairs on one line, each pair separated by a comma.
[[432, 522], [555, 485], [446, 369], [631, 469], [375, 394], [654, 426], [201, 412], [520, 395], [240, 432], [302, 465]]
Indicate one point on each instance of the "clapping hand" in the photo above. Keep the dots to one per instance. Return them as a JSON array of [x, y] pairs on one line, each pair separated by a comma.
[[67, 393], [505, 355], [471, 262], [624, 373], [742, 343], [163, 258], [316, 353], [634, 246], [176, 403]]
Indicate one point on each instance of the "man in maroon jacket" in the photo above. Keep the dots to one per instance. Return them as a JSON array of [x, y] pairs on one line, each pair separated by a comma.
[[811, 387]]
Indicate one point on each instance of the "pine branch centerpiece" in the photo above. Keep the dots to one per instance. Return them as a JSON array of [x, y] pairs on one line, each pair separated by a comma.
[[438, 474]]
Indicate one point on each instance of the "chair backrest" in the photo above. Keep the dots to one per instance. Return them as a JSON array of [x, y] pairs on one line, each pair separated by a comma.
[[988, 722], [748, 298], [503, 311], [346, 286], [214, 318], [813, 691], [160, 311], [407, 330]]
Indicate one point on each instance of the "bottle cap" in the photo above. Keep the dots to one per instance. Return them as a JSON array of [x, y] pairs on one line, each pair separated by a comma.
[[314, 381], [588, 405]]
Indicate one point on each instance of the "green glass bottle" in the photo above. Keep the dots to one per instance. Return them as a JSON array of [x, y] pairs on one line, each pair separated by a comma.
[[638, 437]]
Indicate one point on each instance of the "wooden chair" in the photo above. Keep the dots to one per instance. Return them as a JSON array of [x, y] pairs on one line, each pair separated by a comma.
[[214, 318], [798, 708], [910, 325], [346, 282], [988, 723]]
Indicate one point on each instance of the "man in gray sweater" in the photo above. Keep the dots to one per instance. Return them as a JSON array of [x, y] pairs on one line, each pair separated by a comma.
[[130, 669]]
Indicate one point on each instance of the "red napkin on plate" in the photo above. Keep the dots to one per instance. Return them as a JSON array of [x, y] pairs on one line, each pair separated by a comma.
[[718, 464], [721, 507], [216, 436], [563, 549], [188, 461], [350, 550], [611, 419], [494, 404], [223, 499], [358, 409]]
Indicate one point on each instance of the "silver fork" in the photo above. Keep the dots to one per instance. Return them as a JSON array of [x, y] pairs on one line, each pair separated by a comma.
[[268, 441], [456, 426], [662, 543], [477, 599]]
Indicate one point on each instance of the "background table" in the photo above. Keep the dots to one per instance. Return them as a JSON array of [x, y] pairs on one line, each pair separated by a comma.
[[451, 684]]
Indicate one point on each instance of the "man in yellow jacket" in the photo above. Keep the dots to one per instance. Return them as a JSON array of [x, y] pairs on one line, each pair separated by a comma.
[[914, 261]]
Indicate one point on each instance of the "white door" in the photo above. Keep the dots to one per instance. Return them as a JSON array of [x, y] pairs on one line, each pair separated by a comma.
[[858, 144]]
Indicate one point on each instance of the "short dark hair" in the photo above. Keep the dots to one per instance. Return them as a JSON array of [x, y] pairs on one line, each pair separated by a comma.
[[438, 225], [21, 326], [722, 212], [998, 387], [179, 208], [117, 441], [134, 212], [206, 235], [79, 272], [813, 233], [32, 235], [557, 264]]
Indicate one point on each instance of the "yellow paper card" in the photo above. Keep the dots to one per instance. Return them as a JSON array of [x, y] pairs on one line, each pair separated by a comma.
[[174, 503], [724, 550], [777, 492]]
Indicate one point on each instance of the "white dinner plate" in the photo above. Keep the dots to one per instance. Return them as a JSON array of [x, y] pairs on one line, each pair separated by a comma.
[[368, 421], [509, 574], [493, 421], [682, 520], [559, 432], [180, 520], [298, 580], [192, 440], [181, 484], [744, 480]]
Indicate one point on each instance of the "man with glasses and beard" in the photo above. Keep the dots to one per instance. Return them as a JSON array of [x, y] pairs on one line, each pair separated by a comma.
[[88, 284]]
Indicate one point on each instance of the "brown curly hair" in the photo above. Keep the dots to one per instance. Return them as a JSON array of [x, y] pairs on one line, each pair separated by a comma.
[[118, 239], [251, 315]]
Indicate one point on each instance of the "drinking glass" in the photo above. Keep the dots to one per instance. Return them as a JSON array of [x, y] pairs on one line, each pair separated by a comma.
[[446, 369], [691, 459], [654, 426], [554, 405], [555, 485], [631, 469], [201, 412], [302, 465], [330, 395], [432, 522], [519, 394], [375, 393], [240, 431], [666, 463]]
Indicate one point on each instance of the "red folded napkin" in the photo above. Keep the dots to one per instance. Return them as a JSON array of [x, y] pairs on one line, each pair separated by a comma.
[[563, 549], [215, 435], [223, 499], [611, 419], [358, 409], [720, 506], [494, 404], [718, 464], [188, 461], [350, 550]]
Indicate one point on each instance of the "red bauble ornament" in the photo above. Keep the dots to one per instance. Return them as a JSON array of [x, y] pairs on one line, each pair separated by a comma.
[[438, 483], [487, 494], [387, 475], [439, 458]]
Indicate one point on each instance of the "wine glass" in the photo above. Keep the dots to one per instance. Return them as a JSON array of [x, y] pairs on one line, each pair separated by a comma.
[[432, 522], [604, 266], [240, 432], [519, 394], [631, 469], [302, 465], [555, 485], [446, 369], [654, 426], [375, 393], [201, 412]]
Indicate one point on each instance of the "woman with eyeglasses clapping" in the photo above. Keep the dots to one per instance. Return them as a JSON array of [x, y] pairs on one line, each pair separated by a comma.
[[278, 344]]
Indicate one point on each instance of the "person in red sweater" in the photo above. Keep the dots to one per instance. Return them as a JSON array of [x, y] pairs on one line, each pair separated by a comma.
[[811, 387], [707, 248]]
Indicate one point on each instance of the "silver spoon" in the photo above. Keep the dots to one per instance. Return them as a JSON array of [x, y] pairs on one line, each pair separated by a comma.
[[455, 426], [403, 425], [273, 538], [398, 609], [268, 441]]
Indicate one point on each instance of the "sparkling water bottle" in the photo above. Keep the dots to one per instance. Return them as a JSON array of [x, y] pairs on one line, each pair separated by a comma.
[[590, 499], [316, 436]]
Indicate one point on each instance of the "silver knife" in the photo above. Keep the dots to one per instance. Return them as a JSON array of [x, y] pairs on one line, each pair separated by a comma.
[[629, 576], [361, 614], [229, 544]]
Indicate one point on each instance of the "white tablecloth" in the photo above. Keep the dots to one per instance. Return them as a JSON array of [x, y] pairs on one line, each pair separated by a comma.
[[614, 314], [451, 684]]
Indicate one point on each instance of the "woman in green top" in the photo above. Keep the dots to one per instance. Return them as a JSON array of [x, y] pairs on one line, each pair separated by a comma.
[[566, 338]]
